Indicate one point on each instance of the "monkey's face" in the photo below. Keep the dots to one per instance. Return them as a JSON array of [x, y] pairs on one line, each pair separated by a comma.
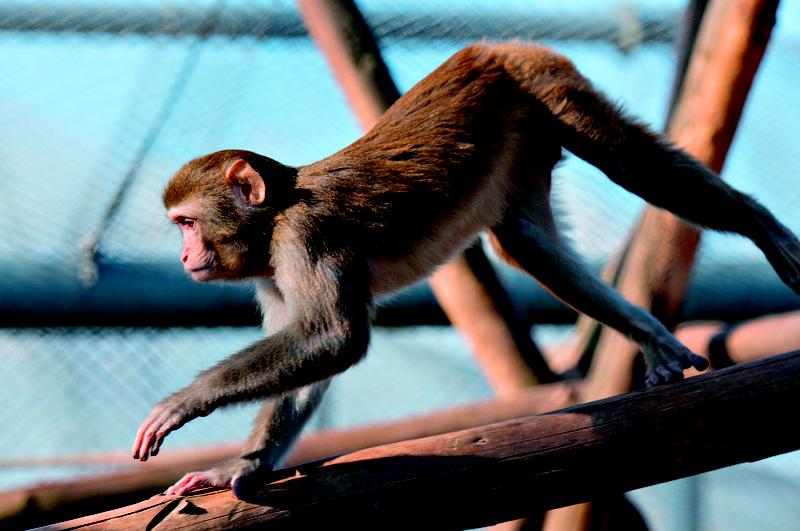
[[215, 247], [221, 205]]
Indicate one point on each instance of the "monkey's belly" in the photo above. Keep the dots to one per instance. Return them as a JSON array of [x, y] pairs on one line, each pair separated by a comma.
[[448, 237], [391, 275]]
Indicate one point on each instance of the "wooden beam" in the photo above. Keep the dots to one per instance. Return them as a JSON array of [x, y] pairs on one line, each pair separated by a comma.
[[346, 41], [501, 471], [39, 504]]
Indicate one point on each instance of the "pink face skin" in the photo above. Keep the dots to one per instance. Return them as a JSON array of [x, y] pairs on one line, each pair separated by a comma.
[[198, 261]]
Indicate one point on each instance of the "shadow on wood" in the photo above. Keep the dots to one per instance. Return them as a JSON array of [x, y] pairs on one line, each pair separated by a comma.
[[506, 470]]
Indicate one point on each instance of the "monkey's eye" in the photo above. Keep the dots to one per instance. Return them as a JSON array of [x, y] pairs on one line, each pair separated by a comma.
[[187, 223]]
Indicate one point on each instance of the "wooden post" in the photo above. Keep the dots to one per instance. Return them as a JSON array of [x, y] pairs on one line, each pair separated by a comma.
[[655, 272], [501, 345], [731, 43], [484, 475]]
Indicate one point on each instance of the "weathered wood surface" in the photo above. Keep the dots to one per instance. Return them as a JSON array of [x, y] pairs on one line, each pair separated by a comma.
[[501, 471], [49, 502]]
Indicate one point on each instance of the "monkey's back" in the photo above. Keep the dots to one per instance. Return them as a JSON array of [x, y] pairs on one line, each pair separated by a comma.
[[435, 171]]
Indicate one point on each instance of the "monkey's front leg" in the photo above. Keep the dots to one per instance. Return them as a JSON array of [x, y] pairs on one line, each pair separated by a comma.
[[299, 355], [175, 411], [277, 425], [329, 333]]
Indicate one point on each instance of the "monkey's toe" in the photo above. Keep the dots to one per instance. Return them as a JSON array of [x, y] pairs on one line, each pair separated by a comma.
[[664, 373], [698, 362]]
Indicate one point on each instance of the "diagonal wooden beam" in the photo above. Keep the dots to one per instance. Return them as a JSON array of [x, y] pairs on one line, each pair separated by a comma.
[[657, 265]]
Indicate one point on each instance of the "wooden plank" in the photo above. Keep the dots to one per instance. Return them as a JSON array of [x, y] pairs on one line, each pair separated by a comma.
[[501, 471]]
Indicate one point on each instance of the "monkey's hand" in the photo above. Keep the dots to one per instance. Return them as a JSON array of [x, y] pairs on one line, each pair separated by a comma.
[[240, 474], [169, 415]]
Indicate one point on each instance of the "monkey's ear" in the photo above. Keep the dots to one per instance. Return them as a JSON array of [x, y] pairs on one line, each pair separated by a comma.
[[246, 182]]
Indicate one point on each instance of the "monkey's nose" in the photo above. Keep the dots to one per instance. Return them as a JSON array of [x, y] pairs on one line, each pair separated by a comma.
[[185, 257]]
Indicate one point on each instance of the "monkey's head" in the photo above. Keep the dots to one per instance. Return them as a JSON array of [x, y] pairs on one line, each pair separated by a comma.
[[225, 205]]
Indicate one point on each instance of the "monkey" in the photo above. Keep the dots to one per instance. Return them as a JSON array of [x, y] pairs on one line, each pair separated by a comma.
[[467, 151]]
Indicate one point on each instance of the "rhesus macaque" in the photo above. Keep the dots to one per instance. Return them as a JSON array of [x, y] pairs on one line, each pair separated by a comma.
[[470, 148]]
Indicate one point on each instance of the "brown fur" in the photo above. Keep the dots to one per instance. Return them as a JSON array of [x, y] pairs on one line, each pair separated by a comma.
[[469, 148]]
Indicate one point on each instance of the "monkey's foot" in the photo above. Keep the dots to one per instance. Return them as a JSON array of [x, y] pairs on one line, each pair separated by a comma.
[[784, 255], [197, 480], [666, 362], [241, 475]]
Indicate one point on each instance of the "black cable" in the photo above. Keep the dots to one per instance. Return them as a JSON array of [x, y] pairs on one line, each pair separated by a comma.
[[91, 244]]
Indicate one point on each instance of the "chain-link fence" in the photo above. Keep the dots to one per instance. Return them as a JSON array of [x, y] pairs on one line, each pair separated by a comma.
[[100, 102]]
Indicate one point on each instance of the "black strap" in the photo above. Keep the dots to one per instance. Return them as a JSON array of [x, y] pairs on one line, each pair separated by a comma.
[[718, 354]]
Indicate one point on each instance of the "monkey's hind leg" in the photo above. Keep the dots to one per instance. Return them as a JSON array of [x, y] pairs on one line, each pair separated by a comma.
[[277, 425], [535, 248], [675, 181]]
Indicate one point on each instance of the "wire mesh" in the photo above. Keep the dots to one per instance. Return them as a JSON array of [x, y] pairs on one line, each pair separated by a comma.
[[97, 93]]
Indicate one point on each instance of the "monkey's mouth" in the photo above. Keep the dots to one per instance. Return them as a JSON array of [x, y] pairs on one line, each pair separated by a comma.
[[202, 273]]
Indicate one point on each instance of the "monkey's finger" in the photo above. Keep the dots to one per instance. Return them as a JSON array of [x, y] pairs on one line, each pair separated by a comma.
[[170, 423], [154, 432], [651, 379], [672, 372], [173, 488], [159, 439], [153, 441], [144, 449], [675, 366], [663, 373], [137, 442], [140, 433], [194, 484], [141, 444], [148, 439], [190, 482]]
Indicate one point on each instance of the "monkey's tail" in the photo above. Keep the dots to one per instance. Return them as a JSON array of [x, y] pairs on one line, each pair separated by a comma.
[[586, 122], [642, 162], [646, 164], [633, 156]]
